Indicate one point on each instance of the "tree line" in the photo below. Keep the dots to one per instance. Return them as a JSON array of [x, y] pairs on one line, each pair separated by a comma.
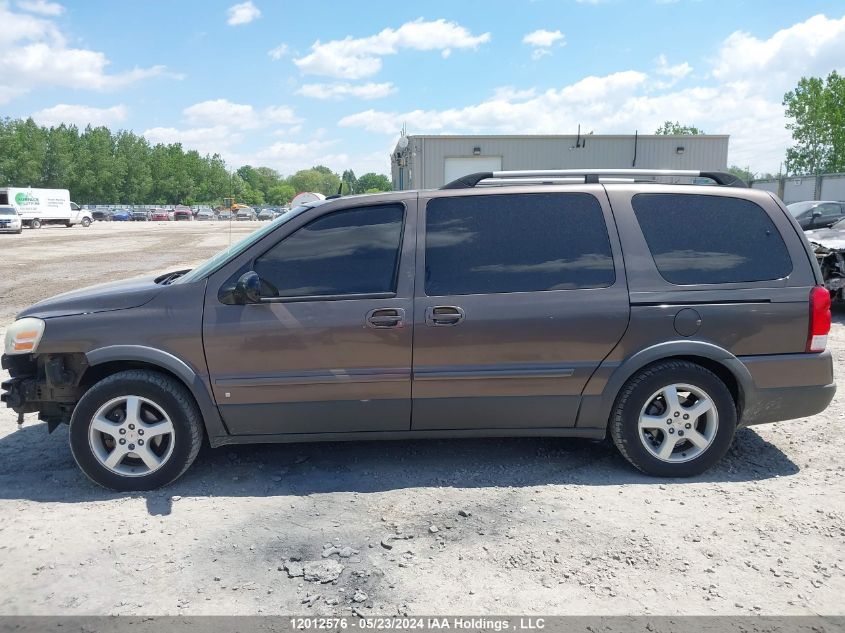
[[98, 165]]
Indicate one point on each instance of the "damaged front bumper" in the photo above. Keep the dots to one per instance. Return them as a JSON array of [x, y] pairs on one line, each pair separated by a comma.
[[48, 385]]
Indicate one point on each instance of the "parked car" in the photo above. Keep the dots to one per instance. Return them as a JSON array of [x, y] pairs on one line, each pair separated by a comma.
[[817, 214], [121, 215], [182, 213], [665, 316], [225, 214], [101, 215], [140, 215], [266, 214], [246, 215], [10, 219], [159, 215], [205, 215]]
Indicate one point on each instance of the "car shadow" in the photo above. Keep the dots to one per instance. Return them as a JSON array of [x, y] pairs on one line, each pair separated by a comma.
[[38, 467]]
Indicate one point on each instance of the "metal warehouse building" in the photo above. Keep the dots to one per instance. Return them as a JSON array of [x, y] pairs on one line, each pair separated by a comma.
[[428, 162]]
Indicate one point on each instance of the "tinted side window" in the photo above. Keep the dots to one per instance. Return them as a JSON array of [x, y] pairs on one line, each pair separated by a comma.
[[347, 252], [516, 243], [699, 239], [829, 210]]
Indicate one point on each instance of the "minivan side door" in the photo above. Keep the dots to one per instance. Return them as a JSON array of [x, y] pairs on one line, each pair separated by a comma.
[[519, 298], [328, 350]]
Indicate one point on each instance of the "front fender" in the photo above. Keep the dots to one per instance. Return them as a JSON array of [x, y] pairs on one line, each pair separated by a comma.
[[165, 360]]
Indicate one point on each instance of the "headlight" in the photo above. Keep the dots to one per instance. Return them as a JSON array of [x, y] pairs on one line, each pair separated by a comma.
[[23, 336]]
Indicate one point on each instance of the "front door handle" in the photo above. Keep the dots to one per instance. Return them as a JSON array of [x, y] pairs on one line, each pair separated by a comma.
[[386, 317], [443, 315]]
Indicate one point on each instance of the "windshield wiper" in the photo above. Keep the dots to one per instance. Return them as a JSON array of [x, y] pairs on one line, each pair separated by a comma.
[[169, 278]]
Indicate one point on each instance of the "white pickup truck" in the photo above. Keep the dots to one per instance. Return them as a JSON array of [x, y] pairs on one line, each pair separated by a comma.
[[38, 207]]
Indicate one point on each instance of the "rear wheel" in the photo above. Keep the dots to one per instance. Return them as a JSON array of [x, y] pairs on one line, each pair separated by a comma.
[[674, 419], [35, 224], [135, 430], [86, 222]]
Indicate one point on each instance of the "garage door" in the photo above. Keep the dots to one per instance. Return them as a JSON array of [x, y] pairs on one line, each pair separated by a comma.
[[458, 166]]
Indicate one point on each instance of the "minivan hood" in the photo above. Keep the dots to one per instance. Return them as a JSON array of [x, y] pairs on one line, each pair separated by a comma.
[[116, 295]]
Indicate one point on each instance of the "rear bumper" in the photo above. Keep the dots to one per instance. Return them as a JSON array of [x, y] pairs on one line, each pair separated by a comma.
[[787, 386]]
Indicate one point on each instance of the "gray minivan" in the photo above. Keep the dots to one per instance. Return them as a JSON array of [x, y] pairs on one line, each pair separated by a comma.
[[556, 303]]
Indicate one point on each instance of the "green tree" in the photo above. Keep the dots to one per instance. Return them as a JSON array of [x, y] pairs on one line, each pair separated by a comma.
[[372, 182], [816, 113], [675, 128], [743, 173], [280, 194], [319, 179], [350, 182]]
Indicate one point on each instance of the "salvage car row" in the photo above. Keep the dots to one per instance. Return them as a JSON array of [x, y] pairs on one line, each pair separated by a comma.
[[183, 213]]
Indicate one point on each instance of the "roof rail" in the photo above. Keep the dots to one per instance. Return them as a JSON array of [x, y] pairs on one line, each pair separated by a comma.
[[531, 176]]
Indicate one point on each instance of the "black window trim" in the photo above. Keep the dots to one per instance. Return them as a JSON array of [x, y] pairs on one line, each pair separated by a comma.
[[614, 257], [343, 297], [728, 285]]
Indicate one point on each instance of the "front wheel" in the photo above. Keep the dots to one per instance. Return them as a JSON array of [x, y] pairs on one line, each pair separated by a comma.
[[674, 419], [86, 222], [135, 430]]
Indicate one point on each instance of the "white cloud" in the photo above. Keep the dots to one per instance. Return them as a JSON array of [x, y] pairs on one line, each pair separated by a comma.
[[553, 111], [354, 58], [42, 7], [242, 13], [676, 72], [542, 38], [343, 90], [813, 47], [221, 112], [541, 41], [34, 53], [80, 115], [672, 74], [277, 53], [288, 157], [209, 140]]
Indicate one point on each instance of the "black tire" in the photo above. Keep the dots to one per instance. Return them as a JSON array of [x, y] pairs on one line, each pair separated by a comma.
[[624, 420], [86, 223], [170, 396], [19, 231], [69, 225], [35, 224]]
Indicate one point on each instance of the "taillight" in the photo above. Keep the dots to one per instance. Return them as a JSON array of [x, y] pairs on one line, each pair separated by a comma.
[[819, 319]]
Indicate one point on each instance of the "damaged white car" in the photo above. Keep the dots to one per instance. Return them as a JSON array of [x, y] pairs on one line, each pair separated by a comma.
[[829, 247]]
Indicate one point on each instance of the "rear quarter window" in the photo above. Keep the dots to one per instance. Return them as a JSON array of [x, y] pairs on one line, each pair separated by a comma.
[[701, 239]]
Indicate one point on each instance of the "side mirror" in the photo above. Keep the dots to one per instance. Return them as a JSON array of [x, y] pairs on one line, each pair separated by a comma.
[[817, 214], [248, 288]]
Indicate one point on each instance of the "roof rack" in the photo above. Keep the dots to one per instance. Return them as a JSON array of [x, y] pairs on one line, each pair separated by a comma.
[[588, 175]]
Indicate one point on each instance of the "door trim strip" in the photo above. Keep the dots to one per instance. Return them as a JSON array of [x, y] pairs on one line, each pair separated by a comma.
[[397, 374]]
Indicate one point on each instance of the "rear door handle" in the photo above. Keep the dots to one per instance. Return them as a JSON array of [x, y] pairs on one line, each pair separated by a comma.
[[386, 317], [443, 315]]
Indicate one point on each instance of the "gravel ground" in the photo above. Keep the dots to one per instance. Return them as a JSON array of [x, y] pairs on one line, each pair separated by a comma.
[[522, 526]]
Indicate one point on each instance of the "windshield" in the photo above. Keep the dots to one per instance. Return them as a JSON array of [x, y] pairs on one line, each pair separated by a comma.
[[797, 208], [236, 249], [8, 211]]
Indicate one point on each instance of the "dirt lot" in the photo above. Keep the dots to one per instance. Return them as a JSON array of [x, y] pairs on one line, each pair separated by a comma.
[[520, 526]]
